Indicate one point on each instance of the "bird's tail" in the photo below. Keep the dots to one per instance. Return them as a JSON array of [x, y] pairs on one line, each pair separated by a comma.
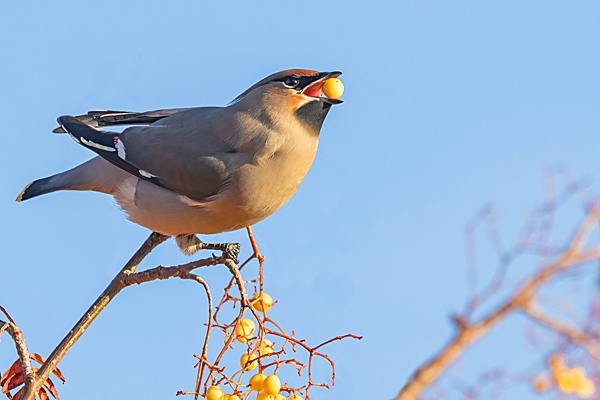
[[96, 174], [39, 187]]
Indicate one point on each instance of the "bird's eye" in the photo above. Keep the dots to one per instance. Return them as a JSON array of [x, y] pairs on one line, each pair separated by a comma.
[[290, 81]]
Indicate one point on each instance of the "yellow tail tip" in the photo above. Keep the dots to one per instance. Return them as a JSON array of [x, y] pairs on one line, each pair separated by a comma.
[[20, 196]]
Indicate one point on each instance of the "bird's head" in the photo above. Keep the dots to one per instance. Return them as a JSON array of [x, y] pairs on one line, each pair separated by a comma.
[[297, 92]]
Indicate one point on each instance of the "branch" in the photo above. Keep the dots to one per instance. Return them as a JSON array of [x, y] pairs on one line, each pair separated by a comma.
[[32, 388], [127, 277], [591, 346], [467, 334], [200, 373], [22, 350]]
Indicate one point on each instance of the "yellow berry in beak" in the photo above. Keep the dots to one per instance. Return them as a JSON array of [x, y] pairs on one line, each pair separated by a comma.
[[333, 88]]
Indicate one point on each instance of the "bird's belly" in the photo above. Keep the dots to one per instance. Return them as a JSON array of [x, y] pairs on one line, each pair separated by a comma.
[[253, 193], [169, 213]]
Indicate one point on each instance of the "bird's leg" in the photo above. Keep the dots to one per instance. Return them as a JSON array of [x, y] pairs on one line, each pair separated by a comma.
[[190, 244], [230, 250]]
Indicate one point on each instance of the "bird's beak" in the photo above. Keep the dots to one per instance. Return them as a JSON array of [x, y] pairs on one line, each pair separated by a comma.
[[315, 88]]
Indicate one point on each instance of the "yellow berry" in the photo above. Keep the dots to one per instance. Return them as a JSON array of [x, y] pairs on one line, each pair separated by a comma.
[[541, 383], [263, 302], [333, 88], [266, 347], [272, 384], [214, 393], [570, 380], [295, 397], [232, 397], [244, 330], [256, 382], [244, 360], [586, 389], [264, 396], [279, 396]]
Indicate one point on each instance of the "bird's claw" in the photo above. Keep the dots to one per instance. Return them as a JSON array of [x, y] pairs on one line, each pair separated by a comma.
[[232, 251]]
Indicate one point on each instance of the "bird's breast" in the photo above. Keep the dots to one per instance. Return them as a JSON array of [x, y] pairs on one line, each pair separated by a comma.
[[264, 187]]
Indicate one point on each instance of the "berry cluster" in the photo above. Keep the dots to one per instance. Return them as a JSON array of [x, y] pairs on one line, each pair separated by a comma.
[[268, 348]]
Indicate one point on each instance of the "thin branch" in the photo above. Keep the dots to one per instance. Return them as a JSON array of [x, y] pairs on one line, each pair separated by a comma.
[[3, 310], [240, 284], [178, 271], [30, 390], [591, 346], [216, 374], [208, 328], [257, 254], [24, 357], [468, 334]]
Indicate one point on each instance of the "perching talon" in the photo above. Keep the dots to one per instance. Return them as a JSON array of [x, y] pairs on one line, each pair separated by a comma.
[[232, 252]]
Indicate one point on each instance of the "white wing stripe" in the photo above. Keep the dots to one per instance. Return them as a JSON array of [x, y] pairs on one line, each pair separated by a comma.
[[89, 143]]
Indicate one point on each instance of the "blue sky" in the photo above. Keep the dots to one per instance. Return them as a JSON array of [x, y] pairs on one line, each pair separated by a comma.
[[448, 105]]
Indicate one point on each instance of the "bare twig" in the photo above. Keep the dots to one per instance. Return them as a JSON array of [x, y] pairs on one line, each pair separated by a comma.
[[591, 346], [208, 329], [257, 254], [3, 310], [216, 374], [467, 333], [24, 357], [30, 390]]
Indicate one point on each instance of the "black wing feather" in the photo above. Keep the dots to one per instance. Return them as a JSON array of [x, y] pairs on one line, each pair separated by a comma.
[[102, 143], [98, 118]]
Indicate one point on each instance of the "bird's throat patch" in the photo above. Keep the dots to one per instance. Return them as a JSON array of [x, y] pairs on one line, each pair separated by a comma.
[[312, 115]]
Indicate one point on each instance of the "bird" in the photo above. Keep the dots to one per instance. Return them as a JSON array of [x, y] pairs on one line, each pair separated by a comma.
[[202, 170]]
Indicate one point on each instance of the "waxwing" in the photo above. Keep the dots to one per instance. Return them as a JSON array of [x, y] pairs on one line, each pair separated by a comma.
[[204, 170]]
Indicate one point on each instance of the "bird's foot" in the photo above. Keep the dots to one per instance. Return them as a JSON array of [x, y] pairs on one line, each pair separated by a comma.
[[232, 251], [190, 244]]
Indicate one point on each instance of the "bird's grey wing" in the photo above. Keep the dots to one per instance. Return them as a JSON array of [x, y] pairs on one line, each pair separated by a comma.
[[99, 118], [105, 144], [184, 152], [190, 152]]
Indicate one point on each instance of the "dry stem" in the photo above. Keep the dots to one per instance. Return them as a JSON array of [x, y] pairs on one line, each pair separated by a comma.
[[22, 350], [31, 389], [467, 333], [35, 379], [591, 346]]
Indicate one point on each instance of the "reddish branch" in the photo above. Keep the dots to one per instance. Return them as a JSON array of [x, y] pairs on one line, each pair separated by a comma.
[[24, 357], [109, 293], [257, 255], [21, 371], [126, 277], [216, 374], [35, 379]]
